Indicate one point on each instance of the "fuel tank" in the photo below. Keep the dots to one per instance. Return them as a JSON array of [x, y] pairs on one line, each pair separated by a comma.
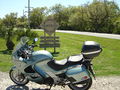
[[41, 55]]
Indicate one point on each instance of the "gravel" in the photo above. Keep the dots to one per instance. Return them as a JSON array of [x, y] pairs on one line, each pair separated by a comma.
[[101, 83]]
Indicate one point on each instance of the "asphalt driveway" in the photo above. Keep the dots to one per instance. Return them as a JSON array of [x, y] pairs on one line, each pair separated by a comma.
[[104, 35], [112, 36]]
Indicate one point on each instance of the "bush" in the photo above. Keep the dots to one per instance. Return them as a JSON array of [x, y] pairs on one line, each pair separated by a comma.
[[10, 45], [20, 32]]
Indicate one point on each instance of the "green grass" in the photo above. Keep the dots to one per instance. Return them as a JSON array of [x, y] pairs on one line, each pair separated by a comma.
[[108, 63], [5, 59]]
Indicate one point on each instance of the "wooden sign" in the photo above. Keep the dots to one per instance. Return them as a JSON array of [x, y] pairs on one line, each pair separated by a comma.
[[49, 26], [50, 40]]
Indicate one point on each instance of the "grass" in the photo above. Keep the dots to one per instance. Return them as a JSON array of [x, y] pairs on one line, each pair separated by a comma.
[[108, 63], [5, 59]]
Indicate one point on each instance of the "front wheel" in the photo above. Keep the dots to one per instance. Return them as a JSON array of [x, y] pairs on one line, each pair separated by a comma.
[[18, 78], [82, 86]]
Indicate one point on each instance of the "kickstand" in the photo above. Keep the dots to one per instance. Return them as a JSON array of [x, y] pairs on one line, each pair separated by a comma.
[[50, 86]]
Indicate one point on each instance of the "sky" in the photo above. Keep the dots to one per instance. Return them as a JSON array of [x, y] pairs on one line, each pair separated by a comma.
[[8, 6]]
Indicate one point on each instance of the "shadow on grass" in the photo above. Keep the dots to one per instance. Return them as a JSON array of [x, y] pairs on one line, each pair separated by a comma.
[[16, 87], [55, 54], [8, 52]]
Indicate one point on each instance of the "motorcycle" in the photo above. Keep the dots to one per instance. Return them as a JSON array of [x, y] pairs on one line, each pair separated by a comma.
[[40, 67]]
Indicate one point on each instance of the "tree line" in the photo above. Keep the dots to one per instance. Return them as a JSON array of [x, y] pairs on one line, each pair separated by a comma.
[[99, 16]]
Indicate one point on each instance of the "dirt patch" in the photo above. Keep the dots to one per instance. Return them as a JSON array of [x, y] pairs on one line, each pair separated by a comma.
[[101, 83]]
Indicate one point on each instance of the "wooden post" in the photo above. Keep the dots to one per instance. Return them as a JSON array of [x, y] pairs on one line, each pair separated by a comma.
[[54, 43], [44, 39]]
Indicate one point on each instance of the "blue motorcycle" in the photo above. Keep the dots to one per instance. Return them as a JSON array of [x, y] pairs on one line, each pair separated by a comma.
[[40, 67]]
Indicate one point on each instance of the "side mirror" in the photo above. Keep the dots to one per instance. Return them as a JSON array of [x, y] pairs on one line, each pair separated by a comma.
[[35, 39]]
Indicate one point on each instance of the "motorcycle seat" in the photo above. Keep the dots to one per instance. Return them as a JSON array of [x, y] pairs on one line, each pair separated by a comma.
[[65, 63], [61, 62], [75, 58]]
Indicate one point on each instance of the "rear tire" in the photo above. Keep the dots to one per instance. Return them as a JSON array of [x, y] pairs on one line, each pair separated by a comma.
[[84, 85], [18, 78]]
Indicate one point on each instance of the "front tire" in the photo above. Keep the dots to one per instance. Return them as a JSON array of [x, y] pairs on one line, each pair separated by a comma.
[[84, 85], [18, 78]]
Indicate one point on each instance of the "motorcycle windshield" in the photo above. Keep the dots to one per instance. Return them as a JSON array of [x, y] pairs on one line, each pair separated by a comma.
[[22, 42]]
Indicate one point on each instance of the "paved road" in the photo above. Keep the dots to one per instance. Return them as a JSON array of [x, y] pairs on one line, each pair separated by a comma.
[[112, 36]]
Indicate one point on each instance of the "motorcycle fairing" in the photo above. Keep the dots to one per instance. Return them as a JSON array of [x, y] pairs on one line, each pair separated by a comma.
[[40, 71], [45, 64], [41, 55], [79, 73]]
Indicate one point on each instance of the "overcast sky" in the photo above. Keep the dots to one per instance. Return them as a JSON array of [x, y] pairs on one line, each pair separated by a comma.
[[8, 6]]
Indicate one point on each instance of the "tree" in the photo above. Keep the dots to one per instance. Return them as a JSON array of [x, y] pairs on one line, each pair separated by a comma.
[[9, 22], [2, 29], [117, 25], [37, 16], [20, 32], [101, 15], [21, 22], [79, 19], [61, 15], [98, 16]]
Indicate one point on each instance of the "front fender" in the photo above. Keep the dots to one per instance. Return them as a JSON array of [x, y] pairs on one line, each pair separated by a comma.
[[13, 68]]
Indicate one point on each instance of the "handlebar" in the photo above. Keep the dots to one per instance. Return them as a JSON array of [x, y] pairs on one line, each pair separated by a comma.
[[26, 52], [33, 46]]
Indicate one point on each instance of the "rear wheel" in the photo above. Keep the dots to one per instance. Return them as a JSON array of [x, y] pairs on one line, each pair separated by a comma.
[[81, 86], [18, 78]]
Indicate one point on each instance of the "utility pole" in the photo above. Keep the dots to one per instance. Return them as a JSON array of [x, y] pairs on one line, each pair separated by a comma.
[[23, 12], [28, 11], [28, 14], [23, 16]]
